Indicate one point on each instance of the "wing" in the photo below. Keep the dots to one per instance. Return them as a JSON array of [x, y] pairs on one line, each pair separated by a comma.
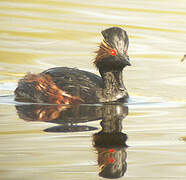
[[76, 82]]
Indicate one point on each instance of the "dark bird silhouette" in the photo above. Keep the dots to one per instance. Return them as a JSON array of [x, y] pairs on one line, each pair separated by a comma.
[[63, 85], [110, 142]]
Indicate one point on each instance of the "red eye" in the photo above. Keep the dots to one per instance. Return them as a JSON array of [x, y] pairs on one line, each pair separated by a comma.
[[111, 150], [113, 52], [111, 160]]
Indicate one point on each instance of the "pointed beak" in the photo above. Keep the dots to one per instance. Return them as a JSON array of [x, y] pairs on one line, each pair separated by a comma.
[[127, 58], [128, 61]]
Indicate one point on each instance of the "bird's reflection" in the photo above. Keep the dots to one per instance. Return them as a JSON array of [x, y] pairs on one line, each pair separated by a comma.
[[109, 142], [67, 116]]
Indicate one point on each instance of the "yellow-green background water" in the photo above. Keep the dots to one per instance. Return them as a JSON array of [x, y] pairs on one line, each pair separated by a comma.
[[40, 34]]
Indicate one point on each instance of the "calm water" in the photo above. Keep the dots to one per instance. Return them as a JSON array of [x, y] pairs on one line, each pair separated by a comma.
[[90, 142]]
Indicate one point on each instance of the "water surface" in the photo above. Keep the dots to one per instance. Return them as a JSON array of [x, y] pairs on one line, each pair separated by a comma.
[[70, 143]]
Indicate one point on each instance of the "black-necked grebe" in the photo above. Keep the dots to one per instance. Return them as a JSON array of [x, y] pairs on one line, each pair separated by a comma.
[[63, 85]]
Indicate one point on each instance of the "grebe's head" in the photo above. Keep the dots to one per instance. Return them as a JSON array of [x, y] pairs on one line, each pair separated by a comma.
[[112, 53]]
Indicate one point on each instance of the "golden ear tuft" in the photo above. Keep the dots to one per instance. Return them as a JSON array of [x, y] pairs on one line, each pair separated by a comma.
[[104, 51]]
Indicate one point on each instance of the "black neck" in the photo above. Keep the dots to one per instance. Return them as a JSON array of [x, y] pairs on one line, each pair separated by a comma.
[[114, 88], [112, 117]]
